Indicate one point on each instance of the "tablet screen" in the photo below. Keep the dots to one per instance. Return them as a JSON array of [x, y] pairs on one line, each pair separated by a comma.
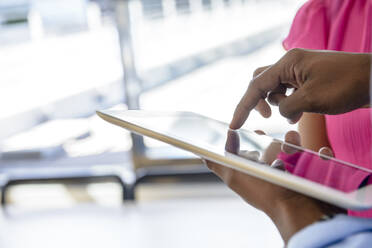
[[216, 136]]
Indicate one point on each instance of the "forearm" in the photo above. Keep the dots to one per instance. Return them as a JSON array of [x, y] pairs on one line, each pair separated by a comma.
[[313, 131]]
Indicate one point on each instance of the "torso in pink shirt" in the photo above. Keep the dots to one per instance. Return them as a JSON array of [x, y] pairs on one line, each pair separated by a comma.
[[341, 25]]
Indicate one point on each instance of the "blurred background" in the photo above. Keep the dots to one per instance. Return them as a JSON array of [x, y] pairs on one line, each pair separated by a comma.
[[67, 178]]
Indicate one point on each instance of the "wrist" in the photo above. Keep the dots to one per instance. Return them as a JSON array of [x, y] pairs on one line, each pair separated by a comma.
[[293, 215]]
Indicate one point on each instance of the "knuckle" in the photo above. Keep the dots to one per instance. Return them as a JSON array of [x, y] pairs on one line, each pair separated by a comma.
[[294, 51], [256, 89], [257, 72], [296, 54]]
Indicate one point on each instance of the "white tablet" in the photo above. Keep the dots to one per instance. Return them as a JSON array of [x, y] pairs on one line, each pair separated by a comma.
[[321, 177]]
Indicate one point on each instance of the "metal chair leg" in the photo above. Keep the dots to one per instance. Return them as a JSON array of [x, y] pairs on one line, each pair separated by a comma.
[[3, 194], [129, 192]]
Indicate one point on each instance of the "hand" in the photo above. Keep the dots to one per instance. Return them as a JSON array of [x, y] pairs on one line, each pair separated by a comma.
[[290, 211], [323, 82]]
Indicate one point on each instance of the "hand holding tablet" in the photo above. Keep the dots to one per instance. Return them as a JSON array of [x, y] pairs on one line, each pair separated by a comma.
[[207, 138], [283, 206]]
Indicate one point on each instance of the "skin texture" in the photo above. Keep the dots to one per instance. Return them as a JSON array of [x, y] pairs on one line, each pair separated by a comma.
[[283, 206], [324, 82], [312, 127]]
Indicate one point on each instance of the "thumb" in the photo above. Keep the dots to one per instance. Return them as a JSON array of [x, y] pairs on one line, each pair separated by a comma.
[[293, 106]]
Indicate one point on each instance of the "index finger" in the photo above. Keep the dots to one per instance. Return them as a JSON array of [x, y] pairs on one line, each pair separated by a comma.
[[258, 88]]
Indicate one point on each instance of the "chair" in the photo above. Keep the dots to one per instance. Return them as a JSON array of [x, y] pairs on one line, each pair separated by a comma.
[[147, 163]]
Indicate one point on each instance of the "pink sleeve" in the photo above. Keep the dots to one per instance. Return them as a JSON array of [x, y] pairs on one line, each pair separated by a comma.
[[309, 29]]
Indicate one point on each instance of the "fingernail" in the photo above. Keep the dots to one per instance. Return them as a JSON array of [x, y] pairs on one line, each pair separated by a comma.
[[291, 121], [259, 132], [326, 153]]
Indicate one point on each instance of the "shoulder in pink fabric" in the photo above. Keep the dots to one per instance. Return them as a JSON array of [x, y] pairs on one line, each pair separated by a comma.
[[333, 25], [341, 25], [309, 28]]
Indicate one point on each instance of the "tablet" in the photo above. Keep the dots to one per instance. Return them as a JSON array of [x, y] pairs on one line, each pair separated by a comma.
[[318, 176]]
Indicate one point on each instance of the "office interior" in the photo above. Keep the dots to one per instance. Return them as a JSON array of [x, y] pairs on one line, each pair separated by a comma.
[[69, 179]]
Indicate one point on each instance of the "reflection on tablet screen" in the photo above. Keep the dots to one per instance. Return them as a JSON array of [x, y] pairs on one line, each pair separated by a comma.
[[292, 159]]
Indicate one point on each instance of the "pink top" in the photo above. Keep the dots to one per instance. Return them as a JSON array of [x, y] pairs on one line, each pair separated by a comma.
[[342, 25]]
